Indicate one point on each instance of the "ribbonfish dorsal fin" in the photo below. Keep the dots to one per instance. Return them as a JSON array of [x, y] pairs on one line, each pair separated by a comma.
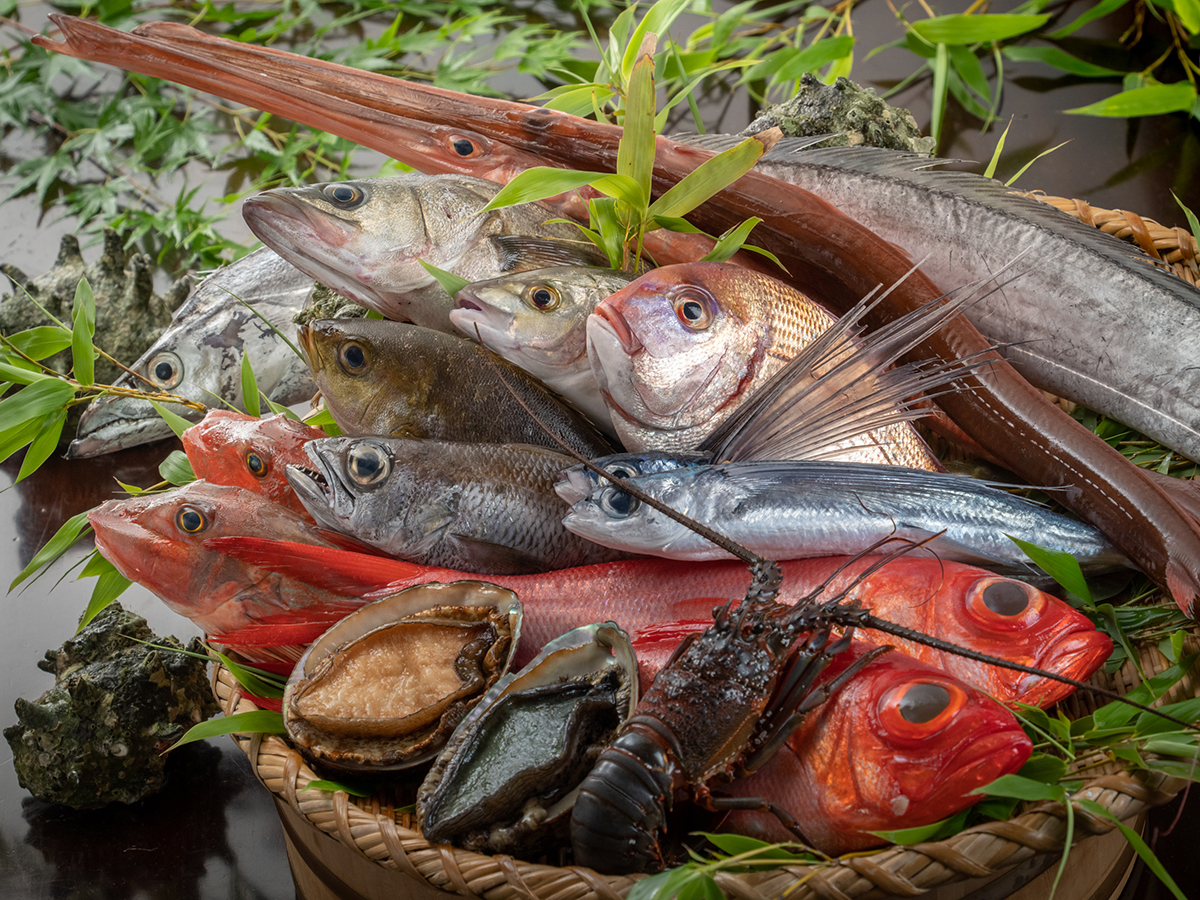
[[522, 252], [800, 414]]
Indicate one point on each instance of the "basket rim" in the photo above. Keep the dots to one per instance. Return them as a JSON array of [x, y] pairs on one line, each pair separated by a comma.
[[984, 850]]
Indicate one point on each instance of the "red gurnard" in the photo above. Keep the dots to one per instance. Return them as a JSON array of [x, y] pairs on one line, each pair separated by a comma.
[[900, 745], [240, 450], [158, 540], [955, 602]]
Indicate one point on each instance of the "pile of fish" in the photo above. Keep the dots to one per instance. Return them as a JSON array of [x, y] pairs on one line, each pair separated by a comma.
[[773, 430]]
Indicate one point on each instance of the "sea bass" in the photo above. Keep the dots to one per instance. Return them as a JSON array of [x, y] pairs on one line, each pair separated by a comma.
[[200, 355], [241, 450], [900, 745], [834, 258], [401, 380], [679, 349], [796, 508], [538, 320], [477, 507], [158, 540], [366, 239], [959, 603]]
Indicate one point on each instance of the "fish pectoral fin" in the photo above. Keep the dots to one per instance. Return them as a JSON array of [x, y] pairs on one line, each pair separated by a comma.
[[521, 253], [492, 558], [947, 548]]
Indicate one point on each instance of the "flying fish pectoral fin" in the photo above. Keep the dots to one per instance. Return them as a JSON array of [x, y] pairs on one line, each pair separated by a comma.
[[521, 253]]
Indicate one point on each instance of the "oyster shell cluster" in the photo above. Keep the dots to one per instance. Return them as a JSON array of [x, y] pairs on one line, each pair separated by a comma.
[[98, 735]]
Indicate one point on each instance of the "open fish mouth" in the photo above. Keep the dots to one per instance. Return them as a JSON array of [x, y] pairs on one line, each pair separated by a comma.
[[575, 486], [115, 423], [323, 493]]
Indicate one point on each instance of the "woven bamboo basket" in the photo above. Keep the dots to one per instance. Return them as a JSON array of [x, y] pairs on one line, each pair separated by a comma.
[[344, 847]]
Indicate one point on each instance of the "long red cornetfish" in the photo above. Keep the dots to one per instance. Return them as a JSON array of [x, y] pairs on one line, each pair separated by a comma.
[[828, 255]]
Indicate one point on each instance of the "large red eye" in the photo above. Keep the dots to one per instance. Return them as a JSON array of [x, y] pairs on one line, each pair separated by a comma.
[[1004, 604], [918, 709]]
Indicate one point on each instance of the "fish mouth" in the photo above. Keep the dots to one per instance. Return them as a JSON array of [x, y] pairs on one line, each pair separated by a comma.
[[982, 761], [575, 485], [306, 338], [117, 423], [483, 322], [321, 490], [619, 328], [1076, 654]]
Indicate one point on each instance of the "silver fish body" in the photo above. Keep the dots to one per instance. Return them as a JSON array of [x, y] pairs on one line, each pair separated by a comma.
[[199, 356], [1095, 321], [538, 320], [366, 239], [796, 509], [475, 507]]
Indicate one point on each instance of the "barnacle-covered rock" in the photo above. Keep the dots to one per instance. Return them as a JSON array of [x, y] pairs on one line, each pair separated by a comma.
[[129, 315], [326, 303], [855, 114], [99, 734]]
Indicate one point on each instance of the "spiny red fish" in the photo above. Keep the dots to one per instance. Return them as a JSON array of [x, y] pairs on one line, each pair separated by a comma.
[[240, 450], [956, 602], [900, 745]]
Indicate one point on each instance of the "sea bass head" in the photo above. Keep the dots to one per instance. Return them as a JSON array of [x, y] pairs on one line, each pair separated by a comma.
[[366, 239], [245, 451], [538, 319], [900, 745], [973, 608], [158, 540], [677, 349], [199, 356]]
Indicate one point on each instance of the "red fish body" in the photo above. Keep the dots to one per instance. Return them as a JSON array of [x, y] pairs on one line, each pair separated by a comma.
[[942, 599], [158, 540], [900, 745], [233, 448]]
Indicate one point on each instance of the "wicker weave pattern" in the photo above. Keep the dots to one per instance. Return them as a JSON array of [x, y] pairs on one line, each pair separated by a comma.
[[375, 830]]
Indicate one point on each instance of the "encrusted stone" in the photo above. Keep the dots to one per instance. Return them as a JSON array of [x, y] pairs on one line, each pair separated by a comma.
[[99, 734], [326, 303], [855, 114], [129, 315]]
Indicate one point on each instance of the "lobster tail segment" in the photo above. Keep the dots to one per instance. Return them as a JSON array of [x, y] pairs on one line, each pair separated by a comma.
[[621, 809]]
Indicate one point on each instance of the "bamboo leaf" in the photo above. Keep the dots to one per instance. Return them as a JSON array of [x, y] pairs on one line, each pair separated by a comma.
[[1059, 59], [21, 372], [1135, 841], [941, 68], [250, 388], [635, 153], [1153, 100], [67, 534], [975, 29], [260, 721], [36, 400], [1059, 565], [539, 183], [177, 422], [713, 176], [83, 316], [816, 55], [256, 681], [731, 241], [110, 584], [177, 468], [1022, 789], [622, 188], [1021, 171], [321, 784], [44, 444], [1098, 11], [450, 282], [990, 171], [14, 438], [41, 341]]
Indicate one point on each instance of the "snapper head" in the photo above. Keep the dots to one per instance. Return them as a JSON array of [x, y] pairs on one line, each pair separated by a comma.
[[673, 351]]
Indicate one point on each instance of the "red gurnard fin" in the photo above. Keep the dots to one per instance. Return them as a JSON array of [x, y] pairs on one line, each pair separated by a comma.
[[345, 572]]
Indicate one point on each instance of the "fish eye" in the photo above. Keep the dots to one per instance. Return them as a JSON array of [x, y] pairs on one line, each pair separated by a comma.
[[920, 708], [694, 310], [369, 464], [1004, 603], [165, 370], [464, 147], [191, 520], [352, 357], [344, 196], [256, 464], [618, 504], [542, 297], [620, 470]]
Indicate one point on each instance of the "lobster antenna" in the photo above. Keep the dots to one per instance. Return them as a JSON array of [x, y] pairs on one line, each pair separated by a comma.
[[767, 577]]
